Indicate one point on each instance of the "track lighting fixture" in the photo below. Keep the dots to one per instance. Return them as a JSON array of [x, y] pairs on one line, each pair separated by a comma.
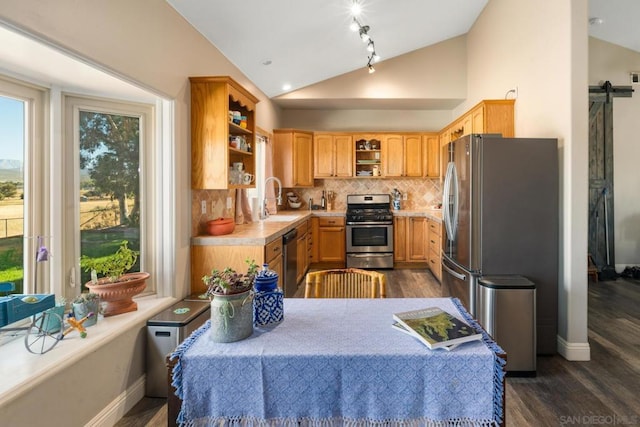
[[363, 32]]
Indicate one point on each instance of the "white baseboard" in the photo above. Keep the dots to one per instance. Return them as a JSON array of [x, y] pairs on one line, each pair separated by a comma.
[[112, 413], [574, 351]]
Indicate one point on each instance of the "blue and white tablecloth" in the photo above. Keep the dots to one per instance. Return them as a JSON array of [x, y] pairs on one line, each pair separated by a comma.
[[335, 362]]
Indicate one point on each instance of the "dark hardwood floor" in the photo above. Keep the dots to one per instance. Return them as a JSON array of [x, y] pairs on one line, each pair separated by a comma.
[[603, 391]]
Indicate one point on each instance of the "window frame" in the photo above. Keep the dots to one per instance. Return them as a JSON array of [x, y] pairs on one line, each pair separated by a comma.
[[35, 171], [146, 113]]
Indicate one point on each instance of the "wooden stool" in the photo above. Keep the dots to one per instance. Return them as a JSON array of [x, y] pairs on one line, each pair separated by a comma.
[[592, 270]]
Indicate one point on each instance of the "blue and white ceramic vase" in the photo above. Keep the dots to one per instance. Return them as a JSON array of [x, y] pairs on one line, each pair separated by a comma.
[[266, 280]]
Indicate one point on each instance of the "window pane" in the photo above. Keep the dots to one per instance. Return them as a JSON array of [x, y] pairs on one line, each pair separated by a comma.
[[109, 184], [11, 191]]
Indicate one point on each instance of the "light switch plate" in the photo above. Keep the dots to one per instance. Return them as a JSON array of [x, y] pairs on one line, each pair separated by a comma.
[[229, 201], [204, 207], [405, 196]]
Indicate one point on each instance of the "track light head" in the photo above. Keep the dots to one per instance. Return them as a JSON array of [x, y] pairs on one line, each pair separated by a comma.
[[355, 25], [370, 46], [363, 33]]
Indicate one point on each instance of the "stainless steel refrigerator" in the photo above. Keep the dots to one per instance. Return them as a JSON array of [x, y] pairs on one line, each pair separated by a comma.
[[500, 216]]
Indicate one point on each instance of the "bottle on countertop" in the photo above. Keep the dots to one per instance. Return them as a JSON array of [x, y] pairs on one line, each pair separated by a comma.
[[323, 201]]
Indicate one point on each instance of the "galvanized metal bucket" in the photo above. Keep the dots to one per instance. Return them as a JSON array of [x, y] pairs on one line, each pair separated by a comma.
[[232, 316]]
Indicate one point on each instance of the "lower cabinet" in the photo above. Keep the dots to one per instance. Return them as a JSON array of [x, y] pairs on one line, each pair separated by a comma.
[[410, 239], [435, 248], [273, 257], [331, 239], [204, 258]]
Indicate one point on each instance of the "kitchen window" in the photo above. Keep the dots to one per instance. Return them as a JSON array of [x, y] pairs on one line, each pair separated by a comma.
[[22, 109], [107, 187]]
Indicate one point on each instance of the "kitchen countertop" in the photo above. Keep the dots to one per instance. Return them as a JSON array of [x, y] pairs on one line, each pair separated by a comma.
[[261, 232]]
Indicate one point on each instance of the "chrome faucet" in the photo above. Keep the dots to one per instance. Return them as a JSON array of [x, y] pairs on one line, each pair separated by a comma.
[[265, 212]]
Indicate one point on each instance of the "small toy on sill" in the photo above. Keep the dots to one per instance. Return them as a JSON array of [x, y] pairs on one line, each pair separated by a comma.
[[77, 325]]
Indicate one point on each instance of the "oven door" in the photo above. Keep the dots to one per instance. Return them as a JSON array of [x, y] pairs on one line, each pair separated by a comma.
[[368, 238]]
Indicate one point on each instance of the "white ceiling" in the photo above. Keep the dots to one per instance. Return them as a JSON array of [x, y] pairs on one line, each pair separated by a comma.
[[308, 41]]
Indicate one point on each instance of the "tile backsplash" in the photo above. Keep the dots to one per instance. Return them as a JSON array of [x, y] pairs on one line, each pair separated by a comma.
[[422, 193]]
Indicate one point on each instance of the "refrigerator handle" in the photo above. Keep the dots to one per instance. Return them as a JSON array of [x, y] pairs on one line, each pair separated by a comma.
[[450, 217], [454, 273]]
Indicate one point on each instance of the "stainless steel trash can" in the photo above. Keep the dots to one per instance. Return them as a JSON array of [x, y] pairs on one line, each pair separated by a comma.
[[506, 309], [164, 332]]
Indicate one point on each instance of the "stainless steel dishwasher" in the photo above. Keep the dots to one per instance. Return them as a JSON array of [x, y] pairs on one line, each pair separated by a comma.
[[290, 262]]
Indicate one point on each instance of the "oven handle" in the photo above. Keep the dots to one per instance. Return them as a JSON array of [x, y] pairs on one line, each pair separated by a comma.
[[454, 273], [370, 255], [369, 224]]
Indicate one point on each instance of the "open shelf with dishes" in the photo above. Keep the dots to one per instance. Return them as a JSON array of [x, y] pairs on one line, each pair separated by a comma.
[[367, 159], [223, 133]]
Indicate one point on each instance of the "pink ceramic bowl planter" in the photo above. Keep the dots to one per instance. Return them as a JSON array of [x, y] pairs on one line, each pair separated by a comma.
[[118, 296]]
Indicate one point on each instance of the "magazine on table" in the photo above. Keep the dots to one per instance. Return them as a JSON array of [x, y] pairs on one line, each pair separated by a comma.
[[435, 328]]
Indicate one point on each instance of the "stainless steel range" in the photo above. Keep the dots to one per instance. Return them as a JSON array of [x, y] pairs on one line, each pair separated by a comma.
[[369, 231]]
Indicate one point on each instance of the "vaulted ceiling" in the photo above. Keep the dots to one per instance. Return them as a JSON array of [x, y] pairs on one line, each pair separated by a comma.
[[300, 43]]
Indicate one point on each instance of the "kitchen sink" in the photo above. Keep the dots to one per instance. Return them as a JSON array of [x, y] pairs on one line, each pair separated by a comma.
[[282, 218]]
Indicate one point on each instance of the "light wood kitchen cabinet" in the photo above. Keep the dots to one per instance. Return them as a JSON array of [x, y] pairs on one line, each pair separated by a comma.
[[333, 155], [431, 149], [293, 157], [494, 116], [331, 239], [273, 256], [417, 232], [410, 239], [393, 155], [204, 258], [212, 98], [402, 155], [399, 238], [302, 252], [314, 227], [435, 248]]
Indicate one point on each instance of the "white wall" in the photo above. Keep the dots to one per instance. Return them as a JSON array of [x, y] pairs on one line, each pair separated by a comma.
[[614, 63], [146, 42], [366, 120], [433, 78], [541, 47]]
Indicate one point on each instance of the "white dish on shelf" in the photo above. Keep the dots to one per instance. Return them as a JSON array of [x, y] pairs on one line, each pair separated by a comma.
[[364, 173]]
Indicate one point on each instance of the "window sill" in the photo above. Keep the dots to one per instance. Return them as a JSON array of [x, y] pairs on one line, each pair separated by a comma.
[[21, 370]]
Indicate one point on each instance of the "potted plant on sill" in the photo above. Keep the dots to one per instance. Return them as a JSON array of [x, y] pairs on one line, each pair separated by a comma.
[[84, 304], [231, 303], [116, 288]]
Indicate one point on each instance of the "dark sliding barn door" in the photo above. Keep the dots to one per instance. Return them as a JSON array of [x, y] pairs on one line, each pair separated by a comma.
[[601, 230]]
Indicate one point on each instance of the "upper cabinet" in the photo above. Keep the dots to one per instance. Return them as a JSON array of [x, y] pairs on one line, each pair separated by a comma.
[[293, 157], [332, 155], [494, 116], [402, 155], [488, 116], [431, 151], [220, 139]]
